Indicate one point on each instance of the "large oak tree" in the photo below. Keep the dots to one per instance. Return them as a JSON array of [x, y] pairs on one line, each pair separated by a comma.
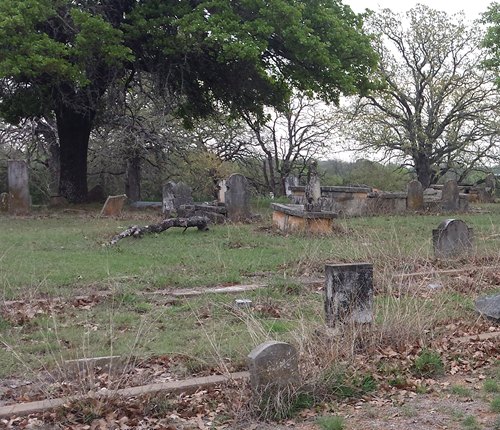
[[59, 57], [438, 108]]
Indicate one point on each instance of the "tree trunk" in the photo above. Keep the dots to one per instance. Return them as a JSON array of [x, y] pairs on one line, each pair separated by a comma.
[[424, 170], [73, 128], [133, 184]]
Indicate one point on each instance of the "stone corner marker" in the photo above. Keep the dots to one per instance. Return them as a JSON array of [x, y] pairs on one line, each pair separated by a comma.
[[452, 238], [114, 205], [273, 364], [348, 293]]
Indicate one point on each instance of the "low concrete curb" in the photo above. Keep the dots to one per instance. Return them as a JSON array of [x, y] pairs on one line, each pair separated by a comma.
[[186, 386]]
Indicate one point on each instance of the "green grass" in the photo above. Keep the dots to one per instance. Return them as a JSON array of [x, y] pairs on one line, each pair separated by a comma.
[[471, 423], [460, 390], [65, 255], [428, 364], [495, 404], [491, 386], [331, 423]]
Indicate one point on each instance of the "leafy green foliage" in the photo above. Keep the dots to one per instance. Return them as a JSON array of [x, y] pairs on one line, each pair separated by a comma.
[[60, 57]]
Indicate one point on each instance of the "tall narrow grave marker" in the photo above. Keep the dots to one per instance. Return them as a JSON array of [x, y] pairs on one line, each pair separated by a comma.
[[237, 198], [19, 194], [450, 196], [415, 197]]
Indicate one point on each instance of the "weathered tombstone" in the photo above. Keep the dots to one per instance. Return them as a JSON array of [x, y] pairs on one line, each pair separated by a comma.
[[313, 189], [488, 193], [450, 196], [415, 198], [489, 306], [114, 205], [290, 181], [4, 202], [348, 293], [222, 191], [237, 198], [272, 365], [452, 238], [168, 198], [182, 195], [19, 194]]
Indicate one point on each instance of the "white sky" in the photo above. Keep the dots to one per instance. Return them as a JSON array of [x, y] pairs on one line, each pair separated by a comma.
[[472, 8]]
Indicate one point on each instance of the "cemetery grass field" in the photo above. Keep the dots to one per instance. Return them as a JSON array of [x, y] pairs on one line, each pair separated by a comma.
[[106, 302]]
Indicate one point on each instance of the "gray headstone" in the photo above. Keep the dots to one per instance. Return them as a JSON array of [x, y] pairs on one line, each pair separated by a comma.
[[452, 238], [313, 189], [415, 198], [489, 306], [222, 191], [19, 195], [237, 198], [490, 181], [290, 181], [182, 195], [450, 196], [4, 202], [273, 364], [114, 205], [348, 293], [168, 198]]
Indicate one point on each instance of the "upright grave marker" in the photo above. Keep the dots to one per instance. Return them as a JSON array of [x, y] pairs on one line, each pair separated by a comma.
[[114, 205], [452, 238], [415, 197], [168, 198], [450, 196], [222, 191], [348, 293], [19, 194], [313, 189], [237, 198], [4, 202], [273, 365]]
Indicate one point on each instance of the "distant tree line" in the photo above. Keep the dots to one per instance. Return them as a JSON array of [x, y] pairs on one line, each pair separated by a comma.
[[128, 95]]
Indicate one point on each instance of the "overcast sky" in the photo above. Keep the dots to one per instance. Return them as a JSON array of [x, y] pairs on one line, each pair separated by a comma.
[[472, 8]]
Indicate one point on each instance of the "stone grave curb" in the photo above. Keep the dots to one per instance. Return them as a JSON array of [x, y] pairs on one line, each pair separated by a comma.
[[180, 293], [185, 386]]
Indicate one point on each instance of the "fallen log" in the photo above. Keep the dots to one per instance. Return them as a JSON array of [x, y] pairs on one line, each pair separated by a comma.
[[201, 222]]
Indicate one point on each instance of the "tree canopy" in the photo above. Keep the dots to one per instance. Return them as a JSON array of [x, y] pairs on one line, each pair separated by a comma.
[[438, 109], [59, 57]]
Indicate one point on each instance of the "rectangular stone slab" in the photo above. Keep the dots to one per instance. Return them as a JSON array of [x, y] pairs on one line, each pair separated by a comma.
[[348, 293]]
